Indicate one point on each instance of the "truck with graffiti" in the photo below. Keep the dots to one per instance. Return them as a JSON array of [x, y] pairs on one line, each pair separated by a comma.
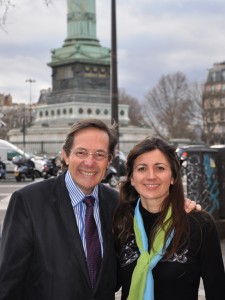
[[203, 171]]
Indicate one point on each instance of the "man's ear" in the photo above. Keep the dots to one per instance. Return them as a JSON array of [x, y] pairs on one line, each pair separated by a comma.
[[110, 161], [65, 157]]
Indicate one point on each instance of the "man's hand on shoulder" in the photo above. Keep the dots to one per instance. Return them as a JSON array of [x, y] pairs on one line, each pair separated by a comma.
[[190, 205]]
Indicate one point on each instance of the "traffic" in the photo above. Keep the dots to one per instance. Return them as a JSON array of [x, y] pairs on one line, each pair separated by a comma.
[[25, 165]]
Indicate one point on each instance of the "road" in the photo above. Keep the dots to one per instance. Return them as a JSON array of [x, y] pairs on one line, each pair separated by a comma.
[[7, 187]]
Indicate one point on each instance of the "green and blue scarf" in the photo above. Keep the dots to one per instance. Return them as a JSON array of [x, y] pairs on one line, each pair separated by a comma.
[[142, 283]]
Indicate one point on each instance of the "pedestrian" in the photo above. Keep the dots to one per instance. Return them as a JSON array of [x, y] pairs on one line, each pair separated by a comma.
[[2, 169], [162, 250], [57, 240]]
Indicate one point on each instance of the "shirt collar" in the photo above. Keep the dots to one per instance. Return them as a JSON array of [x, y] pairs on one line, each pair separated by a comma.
[[76, 195]]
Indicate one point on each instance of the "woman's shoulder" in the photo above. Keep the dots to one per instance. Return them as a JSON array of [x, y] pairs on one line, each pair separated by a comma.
[[202, 219], [201, 215]]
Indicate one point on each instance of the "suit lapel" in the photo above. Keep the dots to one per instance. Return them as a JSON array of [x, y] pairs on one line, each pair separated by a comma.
[[66, 216], [105, 216]]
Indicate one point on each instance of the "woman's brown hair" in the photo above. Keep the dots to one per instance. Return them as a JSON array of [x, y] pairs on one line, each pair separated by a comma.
[[123, 218]]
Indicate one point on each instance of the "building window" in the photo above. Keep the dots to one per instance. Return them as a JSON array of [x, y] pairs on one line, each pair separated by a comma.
[[213, 76], [52, 112], [64, 111], [206, 103], [222, 101], [212, 103], [223, 74], [41, 114], [89, 111], [80, 110], [212, 89], [211, 128], [46, 113], [97, 111], [71, 111], [106, 111], [218, 87], [122, 112], [222, 141], [58, 112], [211, 116], [208, 87]]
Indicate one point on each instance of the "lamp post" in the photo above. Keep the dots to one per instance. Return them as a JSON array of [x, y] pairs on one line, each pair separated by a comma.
[[30, 82], [114, 83], [24, 132]]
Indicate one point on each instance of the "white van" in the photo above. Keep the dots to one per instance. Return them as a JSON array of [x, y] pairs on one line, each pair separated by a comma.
[[8, 151]]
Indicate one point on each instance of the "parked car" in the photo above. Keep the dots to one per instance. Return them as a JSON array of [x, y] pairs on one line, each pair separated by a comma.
[[8, 151]]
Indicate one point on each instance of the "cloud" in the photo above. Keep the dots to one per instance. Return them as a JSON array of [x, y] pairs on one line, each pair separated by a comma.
[[154, 38]]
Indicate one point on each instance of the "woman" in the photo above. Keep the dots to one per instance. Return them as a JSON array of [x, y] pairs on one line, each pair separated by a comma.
[[163, 251]]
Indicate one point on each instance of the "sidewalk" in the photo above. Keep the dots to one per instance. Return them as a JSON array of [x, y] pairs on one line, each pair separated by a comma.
[[201, 294]]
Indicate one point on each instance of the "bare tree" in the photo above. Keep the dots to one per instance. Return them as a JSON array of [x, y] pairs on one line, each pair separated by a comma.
[[6, 5], [135, 111], [9, 114], [168, 108], [195, 94], [13, 117]]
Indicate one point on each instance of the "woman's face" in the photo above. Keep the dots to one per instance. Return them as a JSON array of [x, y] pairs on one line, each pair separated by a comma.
[[151, 178]]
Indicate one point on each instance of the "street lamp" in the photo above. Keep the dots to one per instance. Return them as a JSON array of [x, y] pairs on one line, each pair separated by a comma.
[[114, 87], [30, 82], [114, 84]]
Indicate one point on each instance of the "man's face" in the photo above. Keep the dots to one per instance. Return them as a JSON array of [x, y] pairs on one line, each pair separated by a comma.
[[88, 172]]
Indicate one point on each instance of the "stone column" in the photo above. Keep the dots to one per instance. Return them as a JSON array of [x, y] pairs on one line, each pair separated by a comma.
[[81, 20]]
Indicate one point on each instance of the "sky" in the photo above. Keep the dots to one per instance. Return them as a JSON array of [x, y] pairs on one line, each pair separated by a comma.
[[154, 38]]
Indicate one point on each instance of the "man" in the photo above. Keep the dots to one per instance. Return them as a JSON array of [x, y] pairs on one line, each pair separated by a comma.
[[45, 250], [2, 169]]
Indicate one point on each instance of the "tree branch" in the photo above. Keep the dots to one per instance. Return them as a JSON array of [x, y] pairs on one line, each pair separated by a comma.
[[6, 5]]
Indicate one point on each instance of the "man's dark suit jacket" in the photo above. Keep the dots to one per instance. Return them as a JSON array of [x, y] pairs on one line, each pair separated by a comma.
[[42, 256]]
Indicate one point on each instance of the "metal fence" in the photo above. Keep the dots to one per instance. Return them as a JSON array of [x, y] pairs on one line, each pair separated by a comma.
[[54, 147], [41, 148]]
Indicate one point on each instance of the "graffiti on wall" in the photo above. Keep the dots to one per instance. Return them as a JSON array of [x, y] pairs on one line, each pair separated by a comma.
[[202, 180]]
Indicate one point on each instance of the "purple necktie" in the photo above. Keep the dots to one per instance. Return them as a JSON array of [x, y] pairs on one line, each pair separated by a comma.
[[93, 246]]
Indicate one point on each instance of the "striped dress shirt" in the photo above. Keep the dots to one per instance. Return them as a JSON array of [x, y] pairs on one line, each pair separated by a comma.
[[79, 208]]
